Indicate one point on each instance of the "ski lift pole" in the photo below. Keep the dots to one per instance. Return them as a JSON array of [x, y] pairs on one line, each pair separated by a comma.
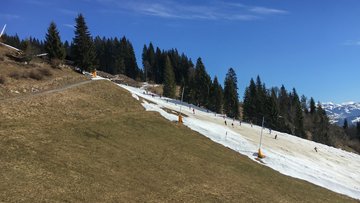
[[262, 127], [182, 96], [260, 155]]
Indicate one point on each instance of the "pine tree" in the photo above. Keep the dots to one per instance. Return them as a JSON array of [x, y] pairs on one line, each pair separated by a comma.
[[260, 100], [321, 125], [11, 40], [53, 45], [273, 114], [128, 54], [169, 88], [299, 121], [216, 97], [150, 56], [295, 98], [283, 102], [158, 66], [202, 84], [67, 48], [312, 106], [189, 91], [231, 97], [303, 102], [345, 125], [358, 129], [83, 52], [28, 49], [294, 106], [145, 62], [249, 104]]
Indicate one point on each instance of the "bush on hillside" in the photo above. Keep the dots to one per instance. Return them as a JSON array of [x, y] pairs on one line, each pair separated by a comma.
[[56, 63], [2, 79], [16, 75], [37, 75], [45, 72]]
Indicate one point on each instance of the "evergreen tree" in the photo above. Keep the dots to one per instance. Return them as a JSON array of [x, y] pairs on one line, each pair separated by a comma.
[[312, 106], [345, 125], [145, 62], [169, 88], [189, 91], [299, 122], [303, 102], [295, 98], [11, 40], [358, 129], [128, 55], [83, 52], [37, 45], [28, 50], [67, 48], [158, 66], [216, 97], [283, 102], [260, 100], [53, 45], [150, 58], [231, 98], [273, 113], [202, 84], [294, 106], [118, 56], [321, 126], [249, 104]]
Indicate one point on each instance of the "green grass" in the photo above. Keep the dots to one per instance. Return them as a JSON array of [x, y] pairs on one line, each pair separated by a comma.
[[95, 143]]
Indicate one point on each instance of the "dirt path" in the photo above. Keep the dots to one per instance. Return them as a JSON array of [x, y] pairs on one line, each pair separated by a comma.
[[27, 96]]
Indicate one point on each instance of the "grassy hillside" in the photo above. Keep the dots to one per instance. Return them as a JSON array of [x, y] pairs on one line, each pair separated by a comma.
[[19, 78], [90, 145]]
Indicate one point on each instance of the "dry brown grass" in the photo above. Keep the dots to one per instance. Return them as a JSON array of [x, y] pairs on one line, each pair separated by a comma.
[[28, 78], [2, 79], [90, 145]]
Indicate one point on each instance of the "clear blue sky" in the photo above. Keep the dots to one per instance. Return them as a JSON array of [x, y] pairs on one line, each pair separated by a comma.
[[312, 45]]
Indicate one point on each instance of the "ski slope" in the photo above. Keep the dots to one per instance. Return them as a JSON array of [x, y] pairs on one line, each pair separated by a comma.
[[331, 168]]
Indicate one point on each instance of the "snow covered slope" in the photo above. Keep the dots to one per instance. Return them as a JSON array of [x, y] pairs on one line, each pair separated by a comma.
[[331, 168], [338, 112]]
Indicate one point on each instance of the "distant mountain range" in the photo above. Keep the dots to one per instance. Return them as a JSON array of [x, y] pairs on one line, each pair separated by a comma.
[[339, 112]]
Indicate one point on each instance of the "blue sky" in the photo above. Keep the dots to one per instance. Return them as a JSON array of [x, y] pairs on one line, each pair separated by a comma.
[[312, 45]]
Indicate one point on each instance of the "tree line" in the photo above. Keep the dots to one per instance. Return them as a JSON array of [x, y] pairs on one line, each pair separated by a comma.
[[288, 112], [112, 55], [173, 69], [352, 131]]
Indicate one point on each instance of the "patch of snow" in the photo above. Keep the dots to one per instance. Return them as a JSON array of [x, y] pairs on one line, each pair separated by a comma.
[[347, 103], [332, 168], [356, 120], [99, 78], [135, 96]]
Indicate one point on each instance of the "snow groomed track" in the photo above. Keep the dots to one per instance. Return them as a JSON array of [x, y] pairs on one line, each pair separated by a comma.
[[331, 168]]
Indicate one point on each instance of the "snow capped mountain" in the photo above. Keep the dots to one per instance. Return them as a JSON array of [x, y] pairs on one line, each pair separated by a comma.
[[338, 112]]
